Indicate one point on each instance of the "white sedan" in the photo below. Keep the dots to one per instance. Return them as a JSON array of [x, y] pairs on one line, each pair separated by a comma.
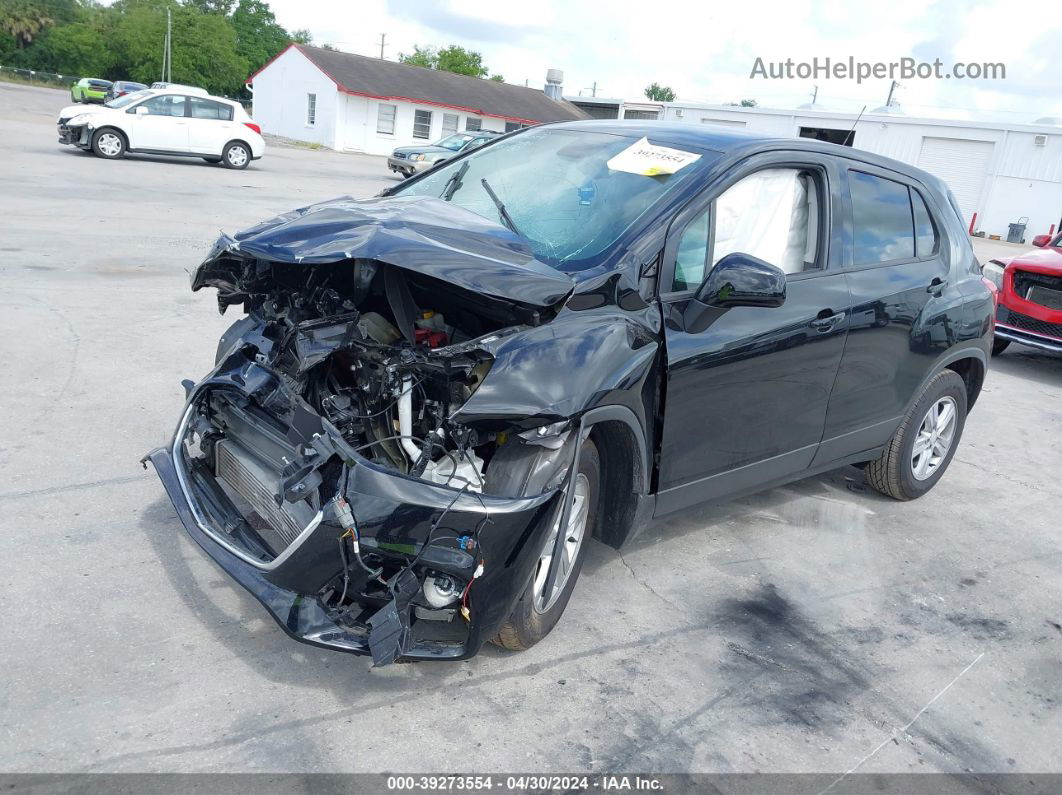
[[166, 122]]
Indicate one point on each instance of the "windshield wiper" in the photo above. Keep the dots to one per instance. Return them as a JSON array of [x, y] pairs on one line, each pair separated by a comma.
[[506, 218], [454, 183]]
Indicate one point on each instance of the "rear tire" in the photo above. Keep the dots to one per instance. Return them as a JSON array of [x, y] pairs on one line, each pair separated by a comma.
[[998, 346], [108, 143], [904, 473], [236, 155], [534, 615]]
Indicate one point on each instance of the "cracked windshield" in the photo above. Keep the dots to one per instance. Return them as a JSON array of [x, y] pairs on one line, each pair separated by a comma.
[[555, 188]]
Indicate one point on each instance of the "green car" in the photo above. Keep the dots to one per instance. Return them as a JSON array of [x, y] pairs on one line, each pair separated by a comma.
[[89, 89]]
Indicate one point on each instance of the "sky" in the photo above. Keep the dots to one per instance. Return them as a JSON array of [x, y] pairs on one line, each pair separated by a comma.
[[705, 51]]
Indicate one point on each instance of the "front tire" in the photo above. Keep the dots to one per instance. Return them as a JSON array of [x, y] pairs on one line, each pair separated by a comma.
[[922, 448], [998, 346], [108, 143], [536, 614], [236, 155]]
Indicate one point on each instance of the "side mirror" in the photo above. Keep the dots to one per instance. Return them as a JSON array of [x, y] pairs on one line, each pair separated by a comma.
[[1041, 241], [743, 280], [141, 111]]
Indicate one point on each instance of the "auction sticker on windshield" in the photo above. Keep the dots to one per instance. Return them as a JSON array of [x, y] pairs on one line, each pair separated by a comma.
[[649, 160]]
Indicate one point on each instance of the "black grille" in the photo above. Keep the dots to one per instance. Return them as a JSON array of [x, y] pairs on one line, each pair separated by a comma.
[[1017, 320], [1027, 280]]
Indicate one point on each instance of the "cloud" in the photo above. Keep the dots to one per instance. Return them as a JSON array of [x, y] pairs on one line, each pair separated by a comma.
[[705, 52]]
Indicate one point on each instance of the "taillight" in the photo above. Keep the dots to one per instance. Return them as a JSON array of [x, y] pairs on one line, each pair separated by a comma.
[[253, 126]]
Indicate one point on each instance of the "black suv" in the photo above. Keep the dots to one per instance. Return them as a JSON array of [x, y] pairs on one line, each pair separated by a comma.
[[434, 396]]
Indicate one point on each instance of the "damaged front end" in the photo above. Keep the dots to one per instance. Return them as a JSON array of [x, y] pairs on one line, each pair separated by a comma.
[[324, 462]]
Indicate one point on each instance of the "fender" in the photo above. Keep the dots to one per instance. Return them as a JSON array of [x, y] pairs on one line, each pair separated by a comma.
[[967, 350], [627, 417]]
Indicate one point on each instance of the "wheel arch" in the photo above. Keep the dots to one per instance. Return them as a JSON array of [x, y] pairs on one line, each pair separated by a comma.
[[112, 128], [625, 469], [230, 142]]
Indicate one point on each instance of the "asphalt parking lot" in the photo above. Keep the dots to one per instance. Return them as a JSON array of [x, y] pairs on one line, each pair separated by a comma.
[[818, 627]]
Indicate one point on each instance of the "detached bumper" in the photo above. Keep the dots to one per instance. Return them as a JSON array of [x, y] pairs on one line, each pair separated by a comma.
[[76, 136], [395, 517]]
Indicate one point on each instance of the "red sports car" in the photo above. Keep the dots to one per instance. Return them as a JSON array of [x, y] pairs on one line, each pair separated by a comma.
[[1029, 286]]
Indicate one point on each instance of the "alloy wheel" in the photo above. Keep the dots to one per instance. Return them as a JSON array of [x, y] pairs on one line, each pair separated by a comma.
[[574, 535], [934, 438]]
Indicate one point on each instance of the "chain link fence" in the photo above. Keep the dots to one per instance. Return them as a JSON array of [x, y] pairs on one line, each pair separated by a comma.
[[13, 74]]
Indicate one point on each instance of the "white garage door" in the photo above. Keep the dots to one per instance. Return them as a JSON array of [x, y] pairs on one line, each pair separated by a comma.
[[963, 164]]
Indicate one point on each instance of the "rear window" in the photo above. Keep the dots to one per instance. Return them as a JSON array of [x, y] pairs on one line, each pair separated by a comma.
[[208, 109], [881, 213], [925, 231], [100, 83]]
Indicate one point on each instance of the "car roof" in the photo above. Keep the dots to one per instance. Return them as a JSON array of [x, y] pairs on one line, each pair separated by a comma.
[[735, 141], [183, 91]]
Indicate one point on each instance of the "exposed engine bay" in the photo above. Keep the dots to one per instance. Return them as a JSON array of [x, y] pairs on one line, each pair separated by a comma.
[[383, 355]]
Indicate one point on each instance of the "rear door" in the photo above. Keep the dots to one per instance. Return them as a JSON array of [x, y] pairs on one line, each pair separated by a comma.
[[210, 126], [160, 124], [747, 387], [903, 308]]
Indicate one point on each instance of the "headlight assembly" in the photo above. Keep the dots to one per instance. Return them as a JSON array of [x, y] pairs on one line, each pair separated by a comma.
[[993, 271]]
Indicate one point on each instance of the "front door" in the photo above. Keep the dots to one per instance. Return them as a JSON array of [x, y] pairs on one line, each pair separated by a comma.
[[748, 387], [160, 124]]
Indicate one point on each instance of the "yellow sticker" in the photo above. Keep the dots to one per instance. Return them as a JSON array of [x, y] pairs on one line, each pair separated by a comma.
[[650, 160]]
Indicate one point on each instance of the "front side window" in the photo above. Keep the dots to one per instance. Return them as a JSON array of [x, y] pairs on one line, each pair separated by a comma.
[[473, 124], [385, 119], [166, 105], [422, 124], [128, 99], [881, 214], [311, 109], [772, 215], [208, 109], [558, 189]]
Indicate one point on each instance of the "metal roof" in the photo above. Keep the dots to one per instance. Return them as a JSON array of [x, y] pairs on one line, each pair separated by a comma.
[[382, 79]]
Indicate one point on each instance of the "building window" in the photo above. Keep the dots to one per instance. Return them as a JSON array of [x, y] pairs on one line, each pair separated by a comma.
[[450, 121], [422, 124], [513, 125], [385, 119], [311, 109], [473, 124]]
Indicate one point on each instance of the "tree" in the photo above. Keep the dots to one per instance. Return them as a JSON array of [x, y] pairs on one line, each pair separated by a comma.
[[659, 93], [258, 36], [204, 46], [79, 49], [427, 57], [24, 20], [748, 103], [498, 78], [453, 58], [301, 36]]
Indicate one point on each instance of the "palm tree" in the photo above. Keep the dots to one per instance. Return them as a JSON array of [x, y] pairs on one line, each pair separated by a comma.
[[23, 19]]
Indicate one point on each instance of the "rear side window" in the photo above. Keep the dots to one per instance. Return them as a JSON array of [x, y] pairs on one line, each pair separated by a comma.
[[925, 232], [208, 109], [881, 213]]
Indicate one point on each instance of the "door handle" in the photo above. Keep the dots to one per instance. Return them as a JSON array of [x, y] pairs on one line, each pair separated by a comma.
[[936, 287], [827, 319]]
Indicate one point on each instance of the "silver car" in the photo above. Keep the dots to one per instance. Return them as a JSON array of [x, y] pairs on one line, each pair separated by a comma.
[[410, 160]]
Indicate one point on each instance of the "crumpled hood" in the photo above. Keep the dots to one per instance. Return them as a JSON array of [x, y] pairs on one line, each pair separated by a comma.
[[417, 233]]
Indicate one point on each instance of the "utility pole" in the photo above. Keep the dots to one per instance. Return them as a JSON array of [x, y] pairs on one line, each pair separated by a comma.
[[167, 54], [593, 89], [814, 95], [383, 41], [892, 88]]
